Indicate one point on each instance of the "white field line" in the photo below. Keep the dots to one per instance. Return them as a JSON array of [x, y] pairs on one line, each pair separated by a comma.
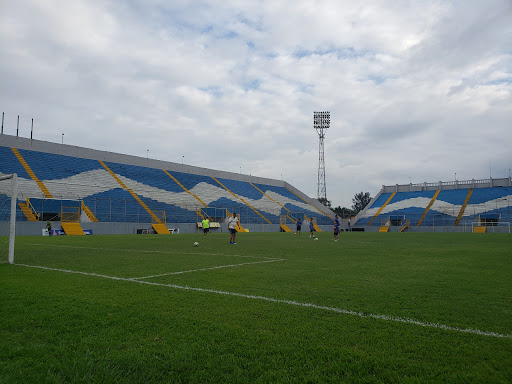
[[153, 251], [208, 269], [291, 302]]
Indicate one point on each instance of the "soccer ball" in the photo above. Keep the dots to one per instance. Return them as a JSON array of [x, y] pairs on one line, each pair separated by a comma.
[[316, 238], [196, 244]]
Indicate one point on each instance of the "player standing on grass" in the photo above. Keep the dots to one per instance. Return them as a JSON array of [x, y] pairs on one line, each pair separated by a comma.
[[206, 226], [336, 227], [311, 228], [299, 226], [49, 227], [232, 222]]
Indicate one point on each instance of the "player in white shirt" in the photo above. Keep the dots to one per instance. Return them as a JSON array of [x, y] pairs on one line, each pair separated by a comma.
[[232, 222]]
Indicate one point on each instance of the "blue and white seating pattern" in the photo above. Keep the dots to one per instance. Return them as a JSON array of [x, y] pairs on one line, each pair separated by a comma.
[[79, 179], [445, 209]]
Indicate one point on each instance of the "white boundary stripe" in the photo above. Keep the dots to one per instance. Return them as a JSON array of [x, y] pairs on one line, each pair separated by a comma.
[[207, 269], [290, 302], [164, 252]]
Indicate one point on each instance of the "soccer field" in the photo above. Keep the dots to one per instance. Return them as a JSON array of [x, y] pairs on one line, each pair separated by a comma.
[[276, 307]]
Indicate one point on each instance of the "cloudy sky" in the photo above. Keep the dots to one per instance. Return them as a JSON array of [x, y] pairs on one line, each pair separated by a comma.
[[417, 90]]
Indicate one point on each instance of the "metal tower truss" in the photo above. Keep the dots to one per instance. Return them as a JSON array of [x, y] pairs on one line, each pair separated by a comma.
[[321, 121]]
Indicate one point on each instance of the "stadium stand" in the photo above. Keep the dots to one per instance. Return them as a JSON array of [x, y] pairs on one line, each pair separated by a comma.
[[113, 188], [465, 203]]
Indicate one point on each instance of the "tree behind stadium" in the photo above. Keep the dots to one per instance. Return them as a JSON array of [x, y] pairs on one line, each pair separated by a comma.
[[360, 201]]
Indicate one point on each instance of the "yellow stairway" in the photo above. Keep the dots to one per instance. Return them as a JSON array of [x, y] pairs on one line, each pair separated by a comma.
[[89, 213], [161, 229], [323, 213], [282, 223], [186, 190], [384, 228], [380, 210], [271, 199], [28, 211], [72, 229], [427, 208], [154, 217], [242, 200], [463, 208], [479, 229], [43, 188]]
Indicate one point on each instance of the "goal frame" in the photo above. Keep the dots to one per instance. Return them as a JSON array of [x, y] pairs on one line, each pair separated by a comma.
[[12, 224], [492, 228]]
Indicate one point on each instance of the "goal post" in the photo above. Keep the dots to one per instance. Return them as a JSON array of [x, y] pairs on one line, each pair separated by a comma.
[[8, 193]]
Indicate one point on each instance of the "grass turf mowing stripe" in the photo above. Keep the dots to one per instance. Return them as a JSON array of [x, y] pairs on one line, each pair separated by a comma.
[[207, 269], [289, 302], [153, 251]]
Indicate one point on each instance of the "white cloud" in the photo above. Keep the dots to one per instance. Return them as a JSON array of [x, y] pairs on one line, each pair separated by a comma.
[[415, 89]]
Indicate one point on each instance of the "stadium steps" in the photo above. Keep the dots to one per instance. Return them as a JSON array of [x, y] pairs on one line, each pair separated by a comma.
[[200, 213], [384, 228], [404, 227], [72, 229], [161, 229], [381, 208], [323, 213], [242, 200], [282, 223], [463, 208], [271, 199], [43, 188], [28, 211], [479, 229], [89, 213], [186, 190], [293, 220], [123, 185], [427, 208]]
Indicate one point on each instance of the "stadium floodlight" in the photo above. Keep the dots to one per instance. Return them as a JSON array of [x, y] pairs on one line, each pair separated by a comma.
[[321, 121], [8, 187]]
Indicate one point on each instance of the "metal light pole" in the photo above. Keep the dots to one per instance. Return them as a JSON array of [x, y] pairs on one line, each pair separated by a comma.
[[62, 138], [321, 122]]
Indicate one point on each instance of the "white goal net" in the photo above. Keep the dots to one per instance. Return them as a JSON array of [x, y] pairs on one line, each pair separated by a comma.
[[8, 191]]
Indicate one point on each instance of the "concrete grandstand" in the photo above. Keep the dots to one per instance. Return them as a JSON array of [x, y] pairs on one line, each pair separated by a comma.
[[455, 206], [111, 193]]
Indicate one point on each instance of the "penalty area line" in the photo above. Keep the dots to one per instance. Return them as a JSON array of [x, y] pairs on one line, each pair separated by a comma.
[[288, 302], [207, 269]]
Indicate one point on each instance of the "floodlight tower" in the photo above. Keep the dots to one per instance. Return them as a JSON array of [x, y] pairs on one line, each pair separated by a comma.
[[321, 121]]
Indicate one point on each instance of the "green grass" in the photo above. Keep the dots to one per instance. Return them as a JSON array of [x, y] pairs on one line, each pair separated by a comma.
[[224, 322]]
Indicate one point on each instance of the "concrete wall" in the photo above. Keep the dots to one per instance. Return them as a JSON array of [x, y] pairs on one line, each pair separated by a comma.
[[447, 185], [35, 228]]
